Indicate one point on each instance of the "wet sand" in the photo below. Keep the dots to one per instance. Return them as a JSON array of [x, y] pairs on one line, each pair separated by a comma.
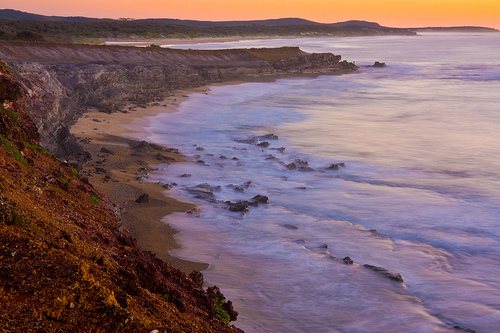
[[115, 168]]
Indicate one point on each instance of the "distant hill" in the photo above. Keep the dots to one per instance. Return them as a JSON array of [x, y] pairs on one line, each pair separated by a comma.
[[271, 22], [20, 26], [11, 14]]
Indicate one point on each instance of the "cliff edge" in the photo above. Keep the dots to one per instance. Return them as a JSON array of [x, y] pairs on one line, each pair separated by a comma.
[[66, 263], [65, 80]]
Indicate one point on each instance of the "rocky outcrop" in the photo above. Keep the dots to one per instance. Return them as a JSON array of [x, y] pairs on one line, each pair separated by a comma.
[[64, 80], [66, 262]]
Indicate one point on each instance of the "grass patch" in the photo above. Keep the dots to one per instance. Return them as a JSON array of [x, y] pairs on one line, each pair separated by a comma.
[[74, 173], [94, 198], [65, 184], [220, 313], [13, 116], [37, 148], [13, 151], [18, 220]]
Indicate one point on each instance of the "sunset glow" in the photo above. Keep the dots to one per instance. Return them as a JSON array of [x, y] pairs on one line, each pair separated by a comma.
[[395, 13]]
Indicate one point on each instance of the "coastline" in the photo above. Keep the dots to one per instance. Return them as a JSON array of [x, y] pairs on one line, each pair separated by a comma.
[[115, 168]]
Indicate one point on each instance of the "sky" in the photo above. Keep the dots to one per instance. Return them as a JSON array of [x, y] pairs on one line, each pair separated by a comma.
[[393, 13]]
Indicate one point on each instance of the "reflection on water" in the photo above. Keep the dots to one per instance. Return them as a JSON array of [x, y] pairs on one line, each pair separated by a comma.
[[418, 196]]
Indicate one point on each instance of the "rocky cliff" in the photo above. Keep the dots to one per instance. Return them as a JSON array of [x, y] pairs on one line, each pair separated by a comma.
[[66, 263], [63, 81]]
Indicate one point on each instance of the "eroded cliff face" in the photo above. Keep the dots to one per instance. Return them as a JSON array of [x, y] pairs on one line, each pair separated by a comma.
[[63, 81], [66, 262]]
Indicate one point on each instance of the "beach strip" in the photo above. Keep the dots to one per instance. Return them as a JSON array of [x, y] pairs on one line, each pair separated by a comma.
[[116, 170]]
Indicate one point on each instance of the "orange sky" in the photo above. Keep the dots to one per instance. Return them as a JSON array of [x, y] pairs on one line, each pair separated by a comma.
[[395, 13]]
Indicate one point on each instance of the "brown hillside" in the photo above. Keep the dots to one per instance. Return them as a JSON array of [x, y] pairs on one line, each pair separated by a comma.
[[66, 263]]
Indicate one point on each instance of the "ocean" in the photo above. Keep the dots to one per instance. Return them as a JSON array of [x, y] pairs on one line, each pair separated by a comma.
[[419, 194]]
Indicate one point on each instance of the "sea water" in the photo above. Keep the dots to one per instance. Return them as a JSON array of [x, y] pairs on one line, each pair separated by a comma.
[[419, 194]]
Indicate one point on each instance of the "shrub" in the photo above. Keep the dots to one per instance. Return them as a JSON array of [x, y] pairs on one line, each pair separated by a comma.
[[220, 313], [94, 198], [13, 116], [13, 151]]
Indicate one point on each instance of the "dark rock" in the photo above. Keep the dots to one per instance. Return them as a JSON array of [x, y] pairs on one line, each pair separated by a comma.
[[336, 166], [200, 148], [290, 226], [251, 140], [100, 170], [142, 147], [385, 272], [291, 166], [468, 330], [239, 189], [161, 157], [241, 206], [144, 198], [268, 137], [305, 168], [264, 144], [378, 64], [197, 278], [348, 261], [204, 191], [172, 150], [107, 151], [261, 199], [222, 157], [186, 175], [280, 149], [235, 158]]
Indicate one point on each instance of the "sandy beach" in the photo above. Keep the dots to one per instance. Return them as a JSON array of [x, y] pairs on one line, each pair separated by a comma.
[[116, 168]]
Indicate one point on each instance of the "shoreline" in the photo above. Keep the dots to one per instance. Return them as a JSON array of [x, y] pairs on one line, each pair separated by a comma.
[[116, 168], [166, 42], [118, 132]]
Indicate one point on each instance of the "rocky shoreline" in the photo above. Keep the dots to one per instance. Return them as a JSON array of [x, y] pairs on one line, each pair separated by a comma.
[[58, 86], [64, 81]]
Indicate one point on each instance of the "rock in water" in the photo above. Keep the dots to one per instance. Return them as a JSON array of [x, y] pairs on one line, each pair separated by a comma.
[[261, 199], [385, 272]]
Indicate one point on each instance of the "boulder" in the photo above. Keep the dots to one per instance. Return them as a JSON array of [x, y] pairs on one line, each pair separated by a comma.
[[107, 151], [264, 144], [391, 275], [378, 64], [144, 198], [261, 199], [336, 166], [268, 137], [241, 206], [348, 261]]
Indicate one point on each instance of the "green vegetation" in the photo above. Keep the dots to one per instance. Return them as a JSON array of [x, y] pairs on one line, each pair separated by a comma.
[[220, 313], [94, 198], [13, 151], [13, 116], [74, 172], [18, 220], [37, 148], [65, 184], [69, 31]]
